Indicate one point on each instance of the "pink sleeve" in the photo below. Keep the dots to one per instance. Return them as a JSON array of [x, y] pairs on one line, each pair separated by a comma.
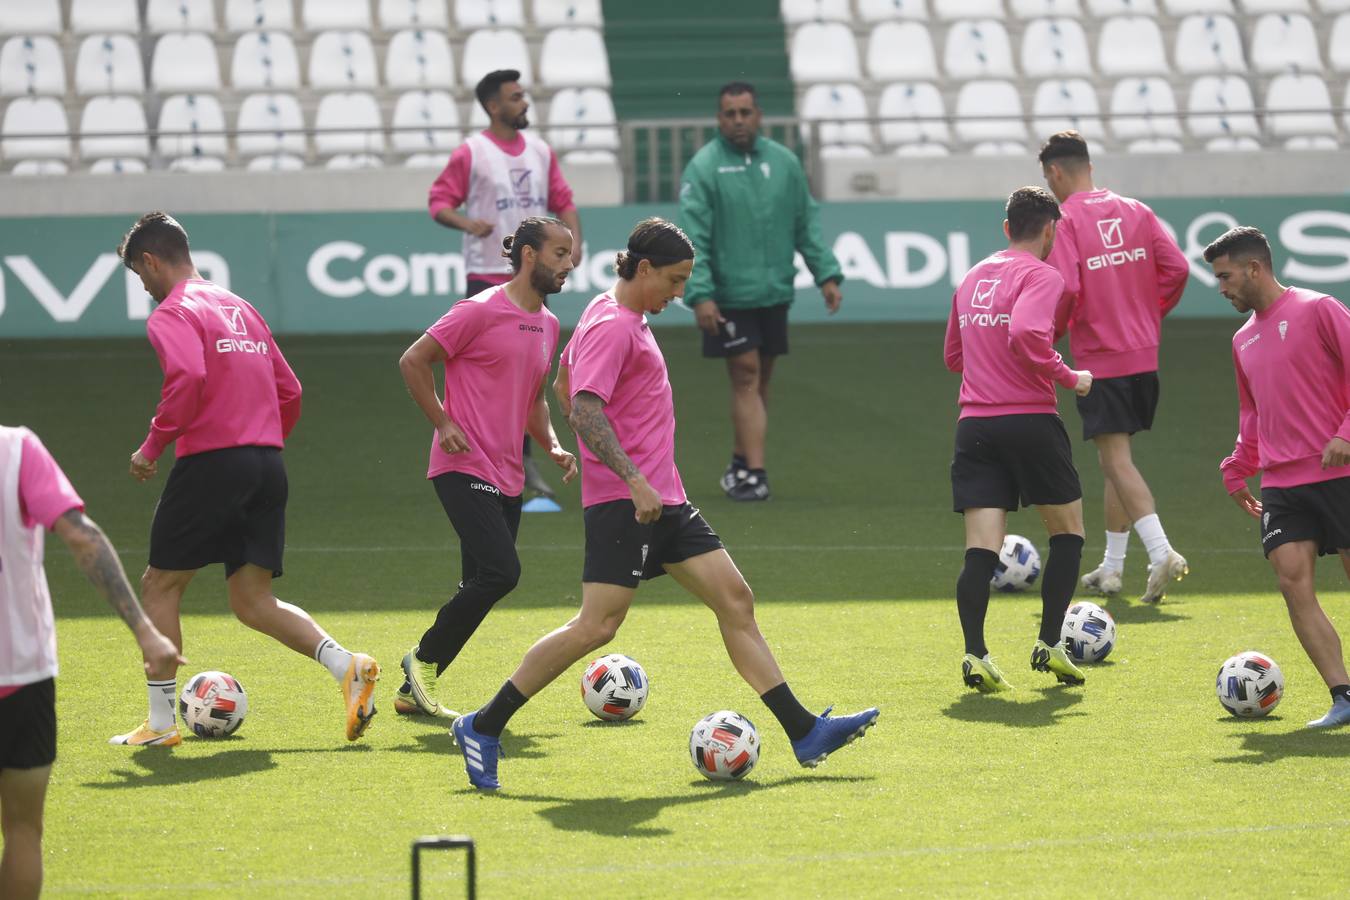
[[1031, 333], [1173, 266], [952, 352], [1334, 320], [1064, 257], [457, 328], [598, 354], [45, 493], [559, 191], [1246, 459], [452, 185], [182, 358], [288, 390]]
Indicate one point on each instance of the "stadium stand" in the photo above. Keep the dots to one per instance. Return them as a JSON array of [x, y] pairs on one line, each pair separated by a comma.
[[265, 59], [162, 16], [259, 15], [32, 65]]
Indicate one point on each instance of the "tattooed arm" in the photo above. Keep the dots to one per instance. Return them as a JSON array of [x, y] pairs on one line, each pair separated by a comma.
[[589, 422]]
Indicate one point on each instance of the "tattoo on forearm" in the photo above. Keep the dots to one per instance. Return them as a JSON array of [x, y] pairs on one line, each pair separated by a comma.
[[95, 555], [589, 422]]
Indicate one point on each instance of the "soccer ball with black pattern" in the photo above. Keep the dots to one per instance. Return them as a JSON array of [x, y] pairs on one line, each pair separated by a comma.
[[1249, 685], [614, 687], [1089, 632], [213, 704], [724, 746], [1019, 565]]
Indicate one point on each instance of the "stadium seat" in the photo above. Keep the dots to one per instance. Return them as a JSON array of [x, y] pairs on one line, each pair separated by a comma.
[[898, 51], [1046, 9], [1155, 145], [797, 12], [952, 10], [425, 161], [474, 14], [39, 167], [1000, 148], [845, 151], [1207, 44], [574, 57], [95, 16], [162, 16], [265, 59], [277, 162], [115, 165], [31, 64], [425, 120], [912, 114], [326, 15], [567, 13], [1144, 108], [1243, 144], [883, 10], [1283, 42], [922, 150], [496, 48], [978, 101], [1306, 93], [1315, 142], [342, 60], [1104, 9], [1067, 103], [824, 51], [35, 115], [1181, 8], [1338, 47], [270, 124], [419, 57], [977, 49], [109, 64], [1131, 45], [348, 122], [197, 164], [185, 62], [396, 15], [1257, 7], [591, 158], [355, 161], [827, 104], [1221, 106], [259, 15], [1055, 47], [31, 17], [582, 119], [191, 125], [1330, 7], [113, 126]]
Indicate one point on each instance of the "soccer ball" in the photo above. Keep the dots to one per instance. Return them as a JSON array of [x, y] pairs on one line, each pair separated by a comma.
[[1089, 632], [1249, 685], [213, 704], [1018, 565], [614, 687], [724, 746]]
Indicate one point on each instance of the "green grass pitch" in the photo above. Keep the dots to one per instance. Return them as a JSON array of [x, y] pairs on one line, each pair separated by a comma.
[[1137, 784]]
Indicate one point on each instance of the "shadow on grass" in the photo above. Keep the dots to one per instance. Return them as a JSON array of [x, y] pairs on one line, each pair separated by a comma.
[[1047, 709], [625, 723], [1127, 613], [438, 740], [1307, 743], [161, 766]]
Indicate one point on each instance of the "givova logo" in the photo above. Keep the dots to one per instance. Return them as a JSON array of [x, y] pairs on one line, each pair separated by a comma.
[[1112, 236]]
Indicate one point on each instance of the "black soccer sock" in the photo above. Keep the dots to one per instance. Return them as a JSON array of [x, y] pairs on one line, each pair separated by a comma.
[[739, 462], [972, 597], [492, 719], [1340, 691], [1057, 586], [796, 719]]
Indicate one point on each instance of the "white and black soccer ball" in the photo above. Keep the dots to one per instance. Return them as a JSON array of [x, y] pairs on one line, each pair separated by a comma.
[[1249, 685], [213, 704], [724, 746], [614, 687], [1089, 632], [1019, 565]]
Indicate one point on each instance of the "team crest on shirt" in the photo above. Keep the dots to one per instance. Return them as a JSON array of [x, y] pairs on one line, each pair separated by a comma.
[[1112, 236], [983, 298], [234, 319], [1284, 327]]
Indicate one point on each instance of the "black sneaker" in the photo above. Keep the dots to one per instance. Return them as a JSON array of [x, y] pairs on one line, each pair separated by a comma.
[[732, 476], [754, 486]]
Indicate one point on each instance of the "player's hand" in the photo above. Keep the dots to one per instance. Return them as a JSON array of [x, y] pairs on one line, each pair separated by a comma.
[[143, 469], [833, 296], [158, 651], [451, 438], [565, 461], [645, 499], [1243, 497], [480, 228], [1084, 383], [1336, 453], [708, 316]]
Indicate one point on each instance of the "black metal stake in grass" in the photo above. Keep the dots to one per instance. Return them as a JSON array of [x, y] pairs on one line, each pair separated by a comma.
[[443, 842]]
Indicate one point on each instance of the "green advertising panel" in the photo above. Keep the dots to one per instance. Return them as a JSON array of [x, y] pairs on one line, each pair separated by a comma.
[[397, 271]]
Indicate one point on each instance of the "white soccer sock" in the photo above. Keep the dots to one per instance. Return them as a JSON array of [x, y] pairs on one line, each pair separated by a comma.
[[1116, 543], [161, 695], [334, 658], [1155, 539]]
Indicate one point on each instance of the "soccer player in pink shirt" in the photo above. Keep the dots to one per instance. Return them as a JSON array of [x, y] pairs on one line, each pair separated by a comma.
[[1292, 359], [496, 347], [1011, 446], [639, 523], [228, 402], [1122, 273], [36, 497]]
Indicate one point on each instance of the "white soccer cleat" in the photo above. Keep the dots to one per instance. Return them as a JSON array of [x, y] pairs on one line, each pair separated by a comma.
[[1102, 581], [1174, 568]]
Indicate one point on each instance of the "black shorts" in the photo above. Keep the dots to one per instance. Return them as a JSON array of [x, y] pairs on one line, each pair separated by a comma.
[[28, 726], [223, 506], [486, 521], [1123, 405], [621, 551], [764, 329], [1317, 512], [1001, 460]]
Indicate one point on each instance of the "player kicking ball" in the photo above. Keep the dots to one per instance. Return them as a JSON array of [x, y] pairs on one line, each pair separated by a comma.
[[1292, 359], [1011, 446], [614, 387]]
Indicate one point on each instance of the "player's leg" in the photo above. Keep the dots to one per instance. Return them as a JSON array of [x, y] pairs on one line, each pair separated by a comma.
[[1117, 462], [161, 597], [749, 422], [1294, 564], [985, 527], [1064, 526], [22, 795]]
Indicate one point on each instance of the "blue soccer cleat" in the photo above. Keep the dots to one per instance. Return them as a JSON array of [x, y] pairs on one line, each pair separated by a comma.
[[830, 733], [480, 754], [1338, 715]]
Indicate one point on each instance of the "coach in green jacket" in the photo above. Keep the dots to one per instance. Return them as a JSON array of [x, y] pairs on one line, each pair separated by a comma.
[[746, 205]]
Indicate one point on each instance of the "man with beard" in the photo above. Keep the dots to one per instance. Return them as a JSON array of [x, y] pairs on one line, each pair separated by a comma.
[[497, 347]]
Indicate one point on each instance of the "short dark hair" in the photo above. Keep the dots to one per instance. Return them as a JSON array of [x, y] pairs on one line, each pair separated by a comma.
[[531, 232], [1028, 210], [656, 240], [735, 89], [1242, 242], [1069, 148], [490, 85], [157, 233]]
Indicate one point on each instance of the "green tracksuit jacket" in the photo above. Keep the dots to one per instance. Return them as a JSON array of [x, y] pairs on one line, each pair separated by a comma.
[[746, 213]]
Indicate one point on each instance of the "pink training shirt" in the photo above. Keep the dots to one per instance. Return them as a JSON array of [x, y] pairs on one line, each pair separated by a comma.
[[614, 355], [498, 357], [1293, 378], [226, 383], [1122, 273], [1001, 337]]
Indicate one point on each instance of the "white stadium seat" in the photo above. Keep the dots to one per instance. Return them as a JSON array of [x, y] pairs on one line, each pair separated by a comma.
[[1042, 9], [952, 10], [1104, 9], [277, 162], [1221, 106], [35, 116], [163, 16], [191, 125], [1144, 108], [582, 119], [1306, 93], [845, 151], [1000, 148], [116, 165], [40, 167], [425, 161], [912, 114], [496, 48], [884, 10], [797, 12], [355, 161], [1243, 144], [1333, 6], [1312, 142], [31, 64], [1256, 7], [922, 150], [1131, 45], [1155, 145], [1207, 44], [265, 59], [270, 124], [1064, 104], [425, 120], [113, 126], [109, 64], [197, 165], [1055, 47], [185, 62], [1180, 8], [1338, 47], [824, 51], [396, 15], [603, 158], [574, 57], [977, 49], [978, 102], [342, 60], [899, 51], [357, 115], [419, 57], [828, 104], [93, 16], [31, 17], [259, 15], [325, 15], [474, 14], [1284, 42], [571, 13]]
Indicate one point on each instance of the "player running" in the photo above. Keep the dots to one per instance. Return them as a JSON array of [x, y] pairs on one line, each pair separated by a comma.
[[1011, 446], [639, 524], [496, 347], [1292, 359], [1122, 273], [229, 401]]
